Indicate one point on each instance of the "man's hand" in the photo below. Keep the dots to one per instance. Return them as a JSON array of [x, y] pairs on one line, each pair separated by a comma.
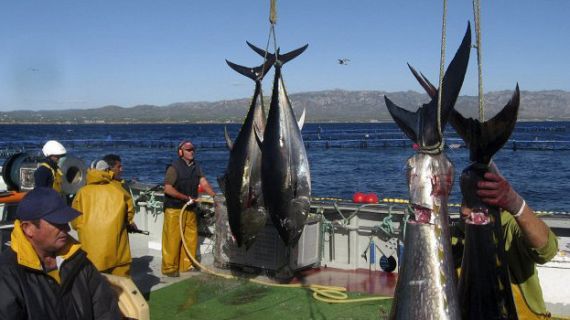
[[496, 191]]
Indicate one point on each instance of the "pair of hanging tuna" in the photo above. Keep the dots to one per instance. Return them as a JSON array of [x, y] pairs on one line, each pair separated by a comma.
[[427, 286], [268, 170]]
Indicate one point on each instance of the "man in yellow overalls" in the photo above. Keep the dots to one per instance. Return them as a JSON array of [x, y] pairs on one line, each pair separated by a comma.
[[116, 167], [102, 228], [181, 183]]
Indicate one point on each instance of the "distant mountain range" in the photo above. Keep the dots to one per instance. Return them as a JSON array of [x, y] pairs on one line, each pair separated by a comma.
[[321, 106]]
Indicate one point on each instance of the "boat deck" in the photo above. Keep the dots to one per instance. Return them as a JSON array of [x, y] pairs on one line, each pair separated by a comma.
[[147, 275], [199, 295]]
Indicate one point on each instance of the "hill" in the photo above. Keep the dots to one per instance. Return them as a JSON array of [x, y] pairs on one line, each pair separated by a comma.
[[321, 106]]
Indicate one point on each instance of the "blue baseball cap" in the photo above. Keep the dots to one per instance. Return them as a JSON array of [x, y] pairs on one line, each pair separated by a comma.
[[45, 203]]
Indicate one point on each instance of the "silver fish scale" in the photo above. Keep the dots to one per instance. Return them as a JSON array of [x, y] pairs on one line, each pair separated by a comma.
[[426, 287], [285, 169]]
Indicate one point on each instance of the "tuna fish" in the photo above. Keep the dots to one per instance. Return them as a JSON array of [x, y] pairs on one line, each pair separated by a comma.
[[426, 287], [484, 284], [242, 180], [284, 165]]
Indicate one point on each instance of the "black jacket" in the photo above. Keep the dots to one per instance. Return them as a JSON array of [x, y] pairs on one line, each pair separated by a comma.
[[27, 292], [187, 181], [43, 176]]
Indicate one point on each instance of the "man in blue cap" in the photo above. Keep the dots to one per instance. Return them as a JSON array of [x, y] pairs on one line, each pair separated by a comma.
[[44, 274]]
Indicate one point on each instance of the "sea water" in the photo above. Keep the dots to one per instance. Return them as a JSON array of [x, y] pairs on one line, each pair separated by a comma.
[[344, 158]]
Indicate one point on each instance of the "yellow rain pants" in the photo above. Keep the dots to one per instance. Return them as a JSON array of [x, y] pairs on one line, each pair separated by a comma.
[[174, 257]]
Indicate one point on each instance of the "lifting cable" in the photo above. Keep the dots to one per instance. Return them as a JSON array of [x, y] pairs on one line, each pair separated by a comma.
[[438, 147], [441, 74], [272, 22], [477, 16]]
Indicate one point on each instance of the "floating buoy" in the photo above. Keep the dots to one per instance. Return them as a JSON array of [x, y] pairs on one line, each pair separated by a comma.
[[371, 198], [358, 197]]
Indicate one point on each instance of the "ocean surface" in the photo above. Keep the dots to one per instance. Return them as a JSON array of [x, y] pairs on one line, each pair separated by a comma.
[[344, 158]]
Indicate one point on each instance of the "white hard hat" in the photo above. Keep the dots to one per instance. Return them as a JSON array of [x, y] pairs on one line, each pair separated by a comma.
[[53, 148]]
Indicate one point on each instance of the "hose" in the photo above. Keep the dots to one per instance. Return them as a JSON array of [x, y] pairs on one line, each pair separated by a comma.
[[329, 294]]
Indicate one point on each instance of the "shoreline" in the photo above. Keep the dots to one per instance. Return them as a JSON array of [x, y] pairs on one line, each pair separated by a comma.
[[561, 120]]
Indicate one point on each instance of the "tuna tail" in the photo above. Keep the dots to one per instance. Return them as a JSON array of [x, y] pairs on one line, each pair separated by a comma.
[[419, 126], [430, 89], [485, 139], [281, 58], [255, 74]]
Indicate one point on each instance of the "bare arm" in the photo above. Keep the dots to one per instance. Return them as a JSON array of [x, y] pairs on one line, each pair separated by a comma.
[[534, 229], [206, 186], [496, 191]]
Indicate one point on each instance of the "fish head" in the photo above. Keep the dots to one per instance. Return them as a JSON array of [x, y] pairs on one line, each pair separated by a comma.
[[473, 210], [430, 178]]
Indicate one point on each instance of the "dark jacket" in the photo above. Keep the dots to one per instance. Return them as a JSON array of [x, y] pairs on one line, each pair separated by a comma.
[[78, 291], [44, 174], [187, 181]]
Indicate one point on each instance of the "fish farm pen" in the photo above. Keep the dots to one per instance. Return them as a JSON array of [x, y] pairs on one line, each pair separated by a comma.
[[353, 140]]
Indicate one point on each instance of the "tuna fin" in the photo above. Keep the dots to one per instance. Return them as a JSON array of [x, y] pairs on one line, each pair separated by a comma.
[[485, 139], [454, 76], [229, 142], [301, 121], [430, 89], [406, 120], [282, 58], [420, 126], [259, 51], [256, 73]]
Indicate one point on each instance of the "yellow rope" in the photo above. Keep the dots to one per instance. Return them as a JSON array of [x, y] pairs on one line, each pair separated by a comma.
[[329, 294], [273, 12]]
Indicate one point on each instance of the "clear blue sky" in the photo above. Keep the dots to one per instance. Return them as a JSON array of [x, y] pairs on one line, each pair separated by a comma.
[[59, 54]]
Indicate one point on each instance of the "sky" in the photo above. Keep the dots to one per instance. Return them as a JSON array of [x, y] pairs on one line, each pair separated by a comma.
[[62, 54]]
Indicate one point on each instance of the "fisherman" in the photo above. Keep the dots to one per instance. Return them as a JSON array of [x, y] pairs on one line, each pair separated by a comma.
[[181, 182], [116, 166], [45, 274], [107, 213], [48, 173], [528, 241]]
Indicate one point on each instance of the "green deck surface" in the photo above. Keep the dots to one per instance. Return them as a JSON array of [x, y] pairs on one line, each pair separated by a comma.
[[209, 297]]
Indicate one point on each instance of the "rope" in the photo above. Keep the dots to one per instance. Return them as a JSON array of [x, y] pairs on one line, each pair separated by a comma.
[[273, 12], [437, 148], [476, 13], [441, 74], [329, 294]]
